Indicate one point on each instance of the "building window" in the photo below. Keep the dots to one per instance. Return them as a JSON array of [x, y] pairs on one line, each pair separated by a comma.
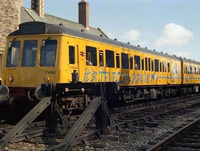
[[125, 62], [137, 62], [13, 54], [71, 54], [48, 53], [29, 53], [91, 56], [110, 58], [101, 60], [156, 65]]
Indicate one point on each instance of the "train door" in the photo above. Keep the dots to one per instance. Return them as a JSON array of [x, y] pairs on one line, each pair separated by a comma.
[[143, 70], [101, 63], [169, 75], [73, 60]]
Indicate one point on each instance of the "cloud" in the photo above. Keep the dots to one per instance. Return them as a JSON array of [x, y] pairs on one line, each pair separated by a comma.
[[131, 35], [142, 43], [175, 35], [184, 54], [110, 35]]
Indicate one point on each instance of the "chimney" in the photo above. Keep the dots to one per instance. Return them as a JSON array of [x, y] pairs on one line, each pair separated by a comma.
[[84, 13], [38, 7]]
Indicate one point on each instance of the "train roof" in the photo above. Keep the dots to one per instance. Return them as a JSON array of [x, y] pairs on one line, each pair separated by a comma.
[[190, 61], [31, 28]]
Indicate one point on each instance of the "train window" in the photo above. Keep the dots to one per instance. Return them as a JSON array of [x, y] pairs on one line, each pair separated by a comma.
[[48, 53], [29, 53], [160, 66], [101, 60], [156, 65], [185, 69], [117, 61], [168, 67], [146, 64], [152, 65], [188, 68], [124, 58], [110, 58], [13, 54], [137, 62], [91, 56], [131, 62], [149, 62], [176, 68], [71, 54], [142, 64], [164, 66]]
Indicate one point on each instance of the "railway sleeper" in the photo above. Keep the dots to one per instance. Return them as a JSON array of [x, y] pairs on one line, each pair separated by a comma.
[[188, 145]]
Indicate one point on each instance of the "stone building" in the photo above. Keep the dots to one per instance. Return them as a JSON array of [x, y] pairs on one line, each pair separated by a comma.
[[10, 17], [12, 14]]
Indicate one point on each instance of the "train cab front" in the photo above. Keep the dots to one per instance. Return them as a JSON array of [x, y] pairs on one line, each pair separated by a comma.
[[28, 63]]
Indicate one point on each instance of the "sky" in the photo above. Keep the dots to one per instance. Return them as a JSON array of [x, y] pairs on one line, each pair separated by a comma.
[[169, 26]]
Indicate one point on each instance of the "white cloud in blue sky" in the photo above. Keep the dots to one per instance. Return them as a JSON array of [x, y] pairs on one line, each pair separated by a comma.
[[175, 35], [132, 35], [184, 54]]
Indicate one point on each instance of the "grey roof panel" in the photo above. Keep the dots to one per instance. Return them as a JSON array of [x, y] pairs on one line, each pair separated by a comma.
[[25, 17], [33, 15]]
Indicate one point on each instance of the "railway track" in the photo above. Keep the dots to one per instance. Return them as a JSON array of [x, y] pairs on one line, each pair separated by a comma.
[[145, 114], [185, 138], [153, 113]]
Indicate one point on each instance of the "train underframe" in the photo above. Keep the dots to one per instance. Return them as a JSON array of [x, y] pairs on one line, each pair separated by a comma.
[[76, 96], [132, 94]]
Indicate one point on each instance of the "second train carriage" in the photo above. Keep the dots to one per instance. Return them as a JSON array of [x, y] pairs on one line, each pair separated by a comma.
[[190, 75], [43, 53]]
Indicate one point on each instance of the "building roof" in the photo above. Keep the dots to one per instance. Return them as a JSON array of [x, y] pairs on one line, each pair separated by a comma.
[[29, 15]]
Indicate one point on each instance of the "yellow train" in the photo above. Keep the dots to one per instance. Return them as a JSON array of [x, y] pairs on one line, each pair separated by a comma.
[[41, 53]]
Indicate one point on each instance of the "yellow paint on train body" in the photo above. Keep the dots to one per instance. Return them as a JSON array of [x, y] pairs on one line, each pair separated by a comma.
[[168, 69], [191, 73]]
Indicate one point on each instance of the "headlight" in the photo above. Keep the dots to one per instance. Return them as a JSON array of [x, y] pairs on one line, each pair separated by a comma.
[[10, 79], [4, 91], [46, 79]]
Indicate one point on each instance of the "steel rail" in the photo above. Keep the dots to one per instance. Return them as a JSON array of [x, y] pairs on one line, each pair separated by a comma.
[[163, 143]]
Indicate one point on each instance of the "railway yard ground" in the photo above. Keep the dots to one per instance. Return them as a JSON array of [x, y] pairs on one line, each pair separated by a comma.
[[134, 127]]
